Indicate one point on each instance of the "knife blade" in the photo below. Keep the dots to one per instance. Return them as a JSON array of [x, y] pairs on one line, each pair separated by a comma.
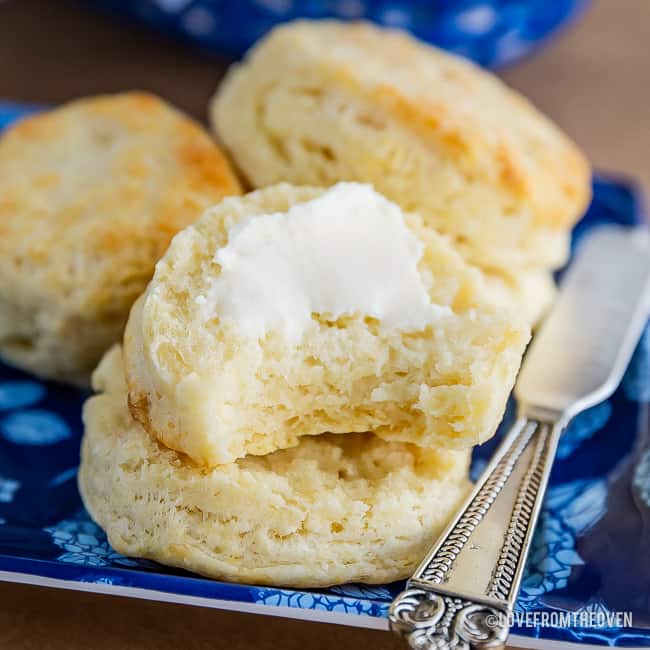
[[463, 593], [580, 354]]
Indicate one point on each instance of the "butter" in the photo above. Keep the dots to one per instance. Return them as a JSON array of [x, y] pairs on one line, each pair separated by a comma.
[[345, 252]]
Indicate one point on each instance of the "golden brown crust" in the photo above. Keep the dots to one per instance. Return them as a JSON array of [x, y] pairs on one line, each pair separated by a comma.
[[90, 196]]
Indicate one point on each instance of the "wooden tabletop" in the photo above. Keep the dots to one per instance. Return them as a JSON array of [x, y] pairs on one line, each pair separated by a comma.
[[594, 80]]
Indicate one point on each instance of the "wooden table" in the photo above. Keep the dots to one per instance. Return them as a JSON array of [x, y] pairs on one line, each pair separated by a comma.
[[594, 80]]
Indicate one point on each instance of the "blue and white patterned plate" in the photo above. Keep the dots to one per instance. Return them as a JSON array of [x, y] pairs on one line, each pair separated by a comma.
[[590, 553]]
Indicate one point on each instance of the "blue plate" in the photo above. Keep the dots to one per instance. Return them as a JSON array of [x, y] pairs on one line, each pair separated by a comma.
[[590, 552]]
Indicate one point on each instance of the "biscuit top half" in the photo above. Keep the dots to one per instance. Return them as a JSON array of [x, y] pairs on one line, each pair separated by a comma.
[[295, 311], [466, 118], [91, 194]]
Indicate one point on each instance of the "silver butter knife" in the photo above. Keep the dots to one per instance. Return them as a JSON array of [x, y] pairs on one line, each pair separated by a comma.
[[463, 593]]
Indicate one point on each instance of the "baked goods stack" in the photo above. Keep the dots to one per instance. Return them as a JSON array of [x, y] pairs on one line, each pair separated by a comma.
[[301, 382], [276, 333]]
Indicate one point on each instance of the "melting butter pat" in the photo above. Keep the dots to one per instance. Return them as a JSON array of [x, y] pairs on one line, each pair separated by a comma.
[[346, 252]]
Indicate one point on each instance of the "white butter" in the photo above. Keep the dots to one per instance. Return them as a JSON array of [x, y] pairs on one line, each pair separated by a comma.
[[346, 252]]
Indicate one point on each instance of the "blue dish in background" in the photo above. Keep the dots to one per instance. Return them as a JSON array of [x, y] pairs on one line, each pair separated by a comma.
[[490, 32], [589, 555]]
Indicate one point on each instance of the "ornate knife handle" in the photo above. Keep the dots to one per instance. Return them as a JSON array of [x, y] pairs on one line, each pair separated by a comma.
[[462, 594]]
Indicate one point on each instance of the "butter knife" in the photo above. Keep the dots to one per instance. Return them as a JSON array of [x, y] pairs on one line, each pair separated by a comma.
[[463, 593]]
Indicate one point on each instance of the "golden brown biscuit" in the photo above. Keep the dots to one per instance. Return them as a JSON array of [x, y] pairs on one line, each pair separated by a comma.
[[90, 195], [335, 508], [320, 102]]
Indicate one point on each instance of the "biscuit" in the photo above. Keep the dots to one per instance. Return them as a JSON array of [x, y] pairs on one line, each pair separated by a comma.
[[204, 388], [90, 195], [332, 509], [531, 293], [320, 102]]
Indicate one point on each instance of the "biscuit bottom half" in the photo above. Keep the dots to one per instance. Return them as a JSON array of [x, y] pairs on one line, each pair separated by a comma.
[[333, 509]]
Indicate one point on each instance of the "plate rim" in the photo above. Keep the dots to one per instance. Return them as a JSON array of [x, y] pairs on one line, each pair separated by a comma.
[[293, 613]]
